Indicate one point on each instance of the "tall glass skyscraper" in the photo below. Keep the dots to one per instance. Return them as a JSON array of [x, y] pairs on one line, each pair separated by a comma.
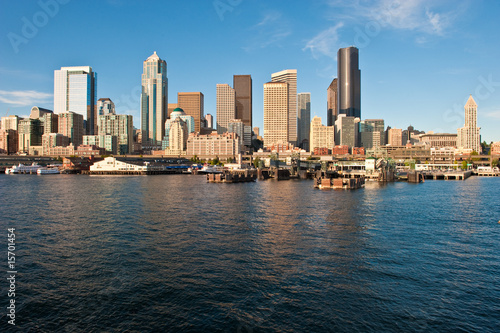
[[304, 119], [349, 82], [242, 85], [154, 100], [75, 90]]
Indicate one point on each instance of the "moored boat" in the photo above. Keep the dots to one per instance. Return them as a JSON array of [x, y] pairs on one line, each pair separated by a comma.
[[21, 168], [47, 171]]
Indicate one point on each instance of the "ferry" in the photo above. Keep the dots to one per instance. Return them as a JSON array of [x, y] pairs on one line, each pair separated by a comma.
[[47, 171], [21, 168]]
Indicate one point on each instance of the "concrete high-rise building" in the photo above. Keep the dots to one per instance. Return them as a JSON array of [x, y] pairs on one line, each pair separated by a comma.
[[346, 131], [237, 126], [321, 136], [242, 85], [178, 136], [75, 90], [121, 126], [276, 104], [51, 140], [70, 124], [154, 100], [177, 113], [108, 142], [10, 122], [371, 133], [468, 136], [226, 106], [8, 141], [349, 82], [50, 123], [105, 106], [304, 119], [332, 103], [193, 105], [395, 137], [30, 133], [289, 76], [210, 120]]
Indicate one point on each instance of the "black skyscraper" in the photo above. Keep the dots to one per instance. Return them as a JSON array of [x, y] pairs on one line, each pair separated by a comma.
[[349, 82]]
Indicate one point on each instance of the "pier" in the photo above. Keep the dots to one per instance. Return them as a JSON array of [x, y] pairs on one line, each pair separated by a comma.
[[447, 175], [233, 176]]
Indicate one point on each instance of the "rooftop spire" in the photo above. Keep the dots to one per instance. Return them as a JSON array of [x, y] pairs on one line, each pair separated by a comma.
[[154, 56]]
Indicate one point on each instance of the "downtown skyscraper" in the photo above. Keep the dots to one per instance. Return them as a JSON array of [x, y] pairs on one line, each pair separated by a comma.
[[275, 113], [304, 120], [332, 103], [242, 85], [289, 76], [468, 136], [154, 100], [226, 107], [349, 82], [75, 90]]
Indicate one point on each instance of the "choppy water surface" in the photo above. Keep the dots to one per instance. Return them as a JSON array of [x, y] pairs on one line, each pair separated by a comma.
[[175, 254]]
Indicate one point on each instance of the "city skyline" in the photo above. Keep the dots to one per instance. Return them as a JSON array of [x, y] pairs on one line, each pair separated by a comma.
[[420, 60]]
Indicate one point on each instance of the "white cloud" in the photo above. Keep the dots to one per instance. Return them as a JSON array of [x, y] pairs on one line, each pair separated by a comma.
[[493, 115], [24, 98], [270, 30], [414, 15], [325, 43]]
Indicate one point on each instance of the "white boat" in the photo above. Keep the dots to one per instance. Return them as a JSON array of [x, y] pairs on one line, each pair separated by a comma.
[[21, 168], [47, 171], [211, 169]]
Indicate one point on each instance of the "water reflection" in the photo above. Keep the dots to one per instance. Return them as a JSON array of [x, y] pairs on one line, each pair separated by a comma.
[[149, 253]]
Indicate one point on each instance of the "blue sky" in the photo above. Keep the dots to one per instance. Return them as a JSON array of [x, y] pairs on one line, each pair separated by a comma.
[[419, 59]]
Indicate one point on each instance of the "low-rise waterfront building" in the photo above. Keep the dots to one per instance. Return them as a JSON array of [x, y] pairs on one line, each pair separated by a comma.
[[340, 149], [59, 151], [438, 140], [112, 164], [213, 145], [89, 150]]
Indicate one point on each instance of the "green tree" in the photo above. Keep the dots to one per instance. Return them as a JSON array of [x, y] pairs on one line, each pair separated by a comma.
[[464, 165], [215, 161], [256, 162]]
